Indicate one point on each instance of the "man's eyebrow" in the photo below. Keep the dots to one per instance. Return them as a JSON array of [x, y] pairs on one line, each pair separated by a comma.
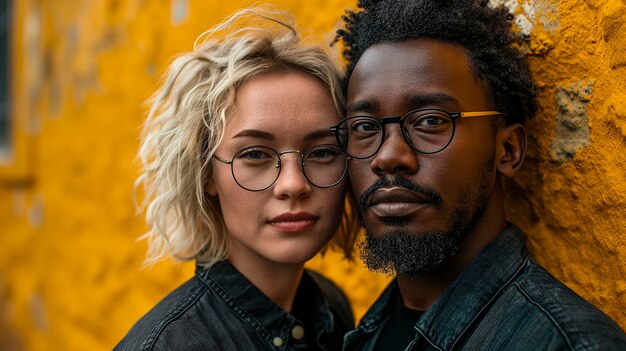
[[418, 101], [254, 133], [414, 101], [361, 106]]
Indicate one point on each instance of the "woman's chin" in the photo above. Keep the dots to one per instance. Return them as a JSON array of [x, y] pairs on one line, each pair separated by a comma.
[[295, 256]]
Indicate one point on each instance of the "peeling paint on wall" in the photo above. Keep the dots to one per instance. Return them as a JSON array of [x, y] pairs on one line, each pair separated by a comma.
[[34, 75], [572, 125], [35, 214], [530, 13], [538, 19], [180, 12], [38, 312]]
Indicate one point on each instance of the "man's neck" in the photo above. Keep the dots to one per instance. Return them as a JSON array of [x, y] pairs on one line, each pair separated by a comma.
[[419, 292]]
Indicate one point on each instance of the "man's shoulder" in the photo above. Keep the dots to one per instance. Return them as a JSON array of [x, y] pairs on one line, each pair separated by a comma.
[[165, 318], [538, 304]]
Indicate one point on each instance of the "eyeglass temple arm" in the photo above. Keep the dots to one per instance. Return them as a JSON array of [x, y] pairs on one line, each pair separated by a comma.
[[479, 113], [222, 160]]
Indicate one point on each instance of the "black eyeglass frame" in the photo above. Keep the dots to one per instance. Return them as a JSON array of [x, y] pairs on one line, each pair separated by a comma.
[[382, 122], [279, 164]]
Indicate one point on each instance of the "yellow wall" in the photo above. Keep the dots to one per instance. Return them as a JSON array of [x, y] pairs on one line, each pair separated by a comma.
[[70, 275]]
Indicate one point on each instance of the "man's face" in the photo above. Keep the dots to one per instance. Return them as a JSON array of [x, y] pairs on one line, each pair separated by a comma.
[[417, 208]]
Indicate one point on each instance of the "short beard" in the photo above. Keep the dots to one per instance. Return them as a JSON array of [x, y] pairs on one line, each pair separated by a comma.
[[398, 252]]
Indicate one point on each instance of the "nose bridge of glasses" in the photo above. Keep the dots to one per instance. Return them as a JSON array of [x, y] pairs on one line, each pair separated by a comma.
[[280, 156], [391, 119], [394, 120], [290, 152], [299, 170]]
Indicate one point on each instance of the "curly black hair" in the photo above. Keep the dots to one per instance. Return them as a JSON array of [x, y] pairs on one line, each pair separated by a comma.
[[484, 31]]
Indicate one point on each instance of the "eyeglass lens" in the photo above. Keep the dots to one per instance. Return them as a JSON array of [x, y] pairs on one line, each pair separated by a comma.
[[257, 168], [427, 131]]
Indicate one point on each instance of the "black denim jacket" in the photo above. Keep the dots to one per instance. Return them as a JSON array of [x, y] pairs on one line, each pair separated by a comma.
[[219, 309], [503, 300]]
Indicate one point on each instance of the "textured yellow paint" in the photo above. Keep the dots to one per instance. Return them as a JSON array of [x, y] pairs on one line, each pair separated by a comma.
[[574, 213], [70, 275]]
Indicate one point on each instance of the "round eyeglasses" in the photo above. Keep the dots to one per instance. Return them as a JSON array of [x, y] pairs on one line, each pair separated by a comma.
[[427, 131], [256, 168]]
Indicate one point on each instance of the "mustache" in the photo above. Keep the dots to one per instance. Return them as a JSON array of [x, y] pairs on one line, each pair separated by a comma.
[[431, 195]]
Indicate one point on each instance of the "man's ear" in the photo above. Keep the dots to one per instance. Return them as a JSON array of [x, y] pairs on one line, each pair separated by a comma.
[[511, 149]]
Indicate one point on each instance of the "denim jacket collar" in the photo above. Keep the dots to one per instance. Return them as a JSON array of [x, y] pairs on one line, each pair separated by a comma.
[[380, 310], [250, 304], [452, 314]]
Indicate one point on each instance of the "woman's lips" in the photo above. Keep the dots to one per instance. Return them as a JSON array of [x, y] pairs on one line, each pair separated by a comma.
[[293, 222]]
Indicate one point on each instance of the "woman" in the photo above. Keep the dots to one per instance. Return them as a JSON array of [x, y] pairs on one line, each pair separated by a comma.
[[241, 174]]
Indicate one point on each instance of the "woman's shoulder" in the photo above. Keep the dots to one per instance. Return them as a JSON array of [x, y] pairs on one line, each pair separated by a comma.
[[337, 300], [327, 286], [164, 317]]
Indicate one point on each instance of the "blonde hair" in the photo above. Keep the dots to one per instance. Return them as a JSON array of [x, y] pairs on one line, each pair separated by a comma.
[[186, 123]]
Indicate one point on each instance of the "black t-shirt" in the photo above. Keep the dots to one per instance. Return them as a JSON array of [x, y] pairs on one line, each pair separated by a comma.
[[398, 331]]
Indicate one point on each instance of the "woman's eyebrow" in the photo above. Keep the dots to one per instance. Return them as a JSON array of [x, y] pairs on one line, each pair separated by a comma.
[[254, 133], [318, 134]]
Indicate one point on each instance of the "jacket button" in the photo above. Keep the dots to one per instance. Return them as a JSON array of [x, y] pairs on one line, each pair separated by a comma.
[[297, 332], [278, 342]]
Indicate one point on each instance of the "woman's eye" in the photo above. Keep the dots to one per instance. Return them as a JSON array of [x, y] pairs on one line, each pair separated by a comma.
[[254, 154], [327, 154], [323, 153]]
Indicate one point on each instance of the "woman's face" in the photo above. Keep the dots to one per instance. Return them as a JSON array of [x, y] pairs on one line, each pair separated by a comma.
[[289, 222]]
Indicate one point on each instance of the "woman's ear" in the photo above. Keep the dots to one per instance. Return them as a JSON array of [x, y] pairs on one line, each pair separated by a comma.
[[511, 149], [211, 188]]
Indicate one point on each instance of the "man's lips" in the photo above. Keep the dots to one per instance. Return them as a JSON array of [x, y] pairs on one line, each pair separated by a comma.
[[293, 222], [396, 202]]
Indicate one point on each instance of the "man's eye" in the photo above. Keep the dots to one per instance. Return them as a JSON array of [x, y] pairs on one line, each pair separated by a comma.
[[433, 121], [365, 127], [430, 121]]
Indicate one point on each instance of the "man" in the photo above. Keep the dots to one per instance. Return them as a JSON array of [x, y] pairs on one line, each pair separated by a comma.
[[436, 96]]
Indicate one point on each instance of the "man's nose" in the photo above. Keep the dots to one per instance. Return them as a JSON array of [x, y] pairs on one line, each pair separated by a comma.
[[395, 155]]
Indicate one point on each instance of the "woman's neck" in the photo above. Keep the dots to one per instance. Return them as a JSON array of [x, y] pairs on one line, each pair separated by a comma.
[[277, 281]]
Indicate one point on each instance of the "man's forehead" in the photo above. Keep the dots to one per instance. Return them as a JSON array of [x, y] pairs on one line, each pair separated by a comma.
[[409, 56], [407, 71]]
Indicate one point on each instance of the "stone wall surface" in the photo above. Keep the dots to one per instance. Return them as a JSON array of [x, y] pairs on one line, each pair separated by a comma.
[[570, 197], [70, 268]]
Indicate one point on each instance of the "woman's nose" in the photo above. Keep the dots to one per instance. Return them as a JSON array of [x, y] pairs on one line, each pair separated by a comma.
[[291, 182]]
